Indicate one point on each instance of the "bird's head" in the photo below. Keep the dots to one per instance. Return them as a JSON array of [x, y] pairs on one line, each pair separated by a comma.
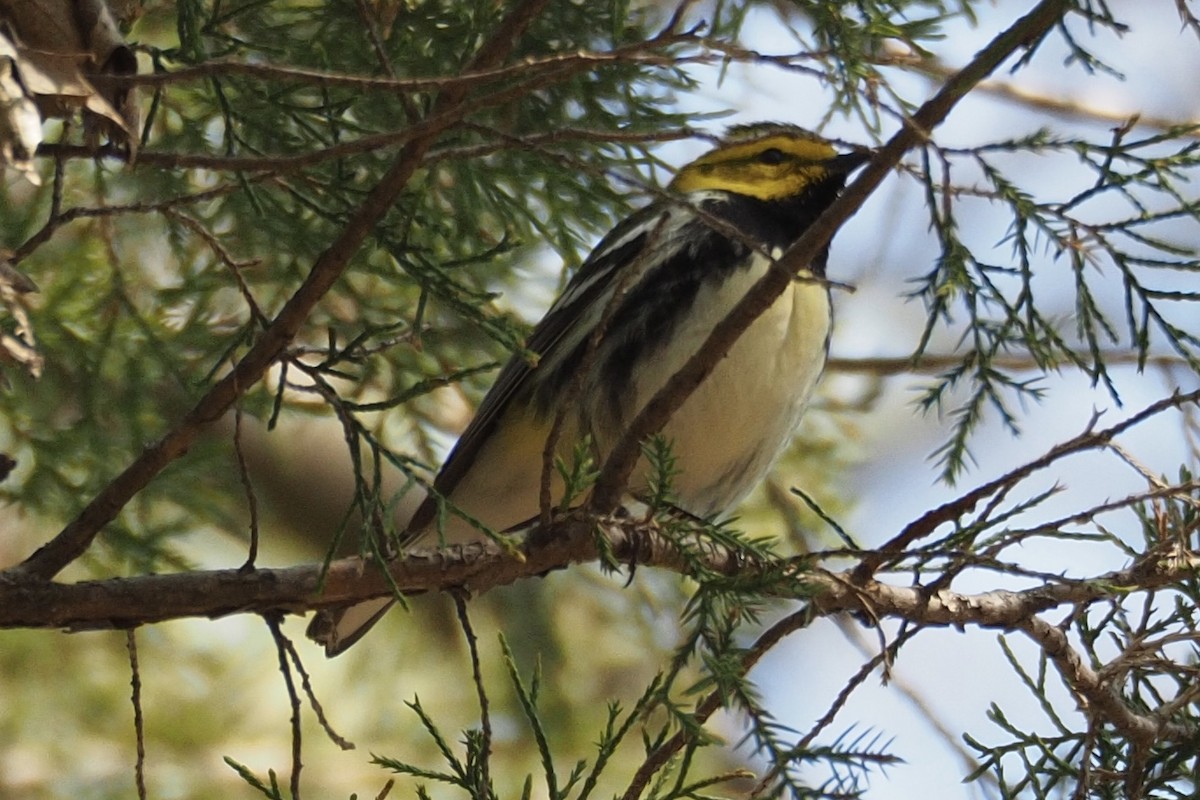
[[768, 161]]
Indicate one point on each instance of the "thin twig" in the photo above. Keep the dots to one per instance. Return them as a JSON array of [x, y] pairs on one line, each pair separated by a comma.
[[315, 704], [1058, 106], [458, 84], [929, 363], [1088, 440], [950, 738], [485, 719], [376, 40], [235, 267], [856, 680], [139, 723], [61, 218], [247, 487], [279, 164], [660, 756], [281, 647]]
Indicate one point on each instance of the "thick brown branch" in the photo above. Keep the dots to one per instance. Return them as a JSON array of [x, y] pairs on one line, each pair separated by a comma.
[[477, 568], [126, 602]]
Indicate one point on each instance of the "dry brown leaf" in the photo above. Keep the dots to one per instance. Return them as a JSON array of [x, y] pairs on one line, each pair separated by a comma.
[[20, 346], [20, 123], [63, 47], [48, 25]]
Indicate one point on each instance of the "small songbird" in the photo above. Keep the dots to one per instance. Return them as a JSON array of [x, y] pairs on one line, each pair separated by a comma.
[[655, 285]]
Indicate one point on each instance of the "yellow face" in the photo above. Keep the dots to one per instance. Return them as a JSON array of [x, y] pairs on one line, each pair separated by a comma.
[[773, 166]]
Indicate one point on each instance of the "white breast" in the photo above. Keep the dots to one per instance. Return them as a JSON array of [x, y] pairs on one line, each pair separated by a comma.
[[725, 437], [731, 429]]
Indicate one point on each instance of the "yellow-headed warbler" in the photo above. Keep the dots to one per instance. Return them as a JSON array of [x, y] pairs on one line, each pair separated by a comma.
[[654, 287]]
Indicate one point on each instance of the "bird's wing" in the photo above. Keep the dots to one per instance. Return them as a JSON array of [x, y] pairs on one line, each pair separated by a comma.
[[565, 324]]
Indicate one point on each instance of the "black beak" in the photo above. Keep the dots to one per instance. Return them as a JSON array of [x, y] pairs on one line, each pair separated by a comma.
[[846, 163]]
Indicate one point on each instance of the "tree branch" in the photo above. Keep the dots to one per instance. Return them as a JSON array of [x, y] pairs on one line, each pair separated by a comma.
[[464, 81], [1025, 32], [1095, 694], [933, 363], [477, 568], [1090, 439], [1059, 106], [279, 163], [77, 536]]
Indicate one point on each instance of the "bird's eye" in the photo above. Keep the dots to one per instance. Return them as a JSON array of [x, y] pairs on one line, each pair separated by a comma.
[[772, 156]]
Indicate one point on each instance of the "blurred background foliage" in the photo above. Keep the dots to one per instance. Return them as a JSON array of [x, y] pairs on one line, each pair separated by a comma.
[[155, 277]]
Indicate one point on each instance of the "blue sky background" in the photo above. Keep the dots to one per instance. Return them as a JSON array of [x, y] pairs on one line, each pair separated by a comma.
[[957, 674]]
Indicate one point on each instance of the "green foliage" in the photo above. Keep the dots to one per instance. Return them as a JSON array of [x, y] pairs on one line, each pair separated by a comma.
[[578, 474], [267, 128], [270, 790], [661, 714], [1132, 186]]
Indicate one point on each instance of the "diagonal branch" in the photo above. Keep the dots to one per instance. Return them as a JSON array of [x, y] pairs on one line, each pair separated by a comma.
[[78, 535], [1090, 439], [1025, 32], [1100, 695]]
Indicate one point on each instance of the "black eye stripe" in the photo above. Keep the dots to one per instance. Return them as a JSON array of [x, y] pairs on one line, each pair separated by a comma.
[[772, 156]]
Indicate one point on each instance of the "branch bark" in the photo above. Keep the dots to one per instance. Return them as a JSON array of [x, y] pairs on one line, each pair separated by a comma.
[[477, 568]]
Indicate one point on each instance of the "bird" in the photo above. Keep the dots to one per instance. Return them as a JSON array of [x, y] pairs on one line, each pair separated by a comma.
[[653, 288]]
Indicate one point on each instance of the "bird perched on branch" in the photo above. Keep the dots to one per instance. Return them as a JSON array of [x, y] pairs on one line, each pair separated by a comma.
[[634, 313]]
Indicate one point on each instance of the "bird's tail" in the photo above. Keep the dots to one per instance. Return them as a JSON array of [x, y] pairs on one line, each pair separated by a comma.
[[338, 628]]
